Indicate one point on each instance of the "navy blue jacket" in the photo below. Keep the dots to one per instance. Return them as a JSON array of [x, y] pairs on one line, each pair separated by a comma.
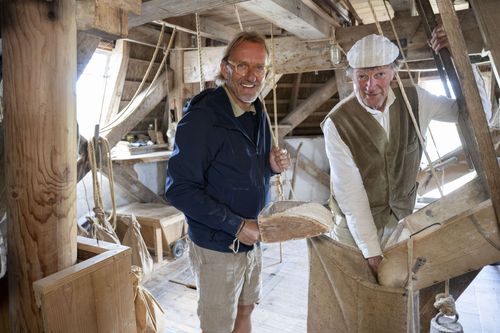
[[217, 176]]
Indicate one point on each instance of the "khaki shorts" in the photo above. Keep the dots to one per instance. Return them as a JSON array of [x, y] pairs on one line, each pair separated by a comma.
[[223, 281]]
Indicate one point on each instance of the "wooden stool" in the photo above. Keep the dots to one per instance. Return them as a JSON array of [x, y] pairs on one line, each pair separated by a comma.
[[163, 227]]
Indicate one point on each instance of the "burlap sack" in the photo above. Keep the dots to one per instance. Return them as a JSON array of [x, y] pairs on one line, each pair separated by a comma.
[[149, 314], [133, 239], [344, 296], [101, 229]]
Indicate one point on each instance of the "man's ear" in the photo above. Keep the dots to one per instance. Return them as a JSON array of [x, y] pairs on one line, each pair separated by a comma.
[[223, 70]]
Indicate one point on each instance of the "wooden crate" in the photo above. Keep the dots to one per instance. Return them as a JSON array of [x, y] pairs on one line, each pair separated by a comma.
[[161, 226], [95, 295]]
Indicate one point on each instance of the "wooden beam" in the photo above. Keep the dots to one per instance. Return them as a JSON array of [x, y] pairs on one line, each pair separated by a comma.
[[291, 56], [486, 12], [268, 84], [86, 46], [310, 167], [465, 242], [133, 6], [40, 149], [291, 15], [146, 34], [477, 119], [324, 15], [294, 56], [310, 105], [295, 92], [118, 69], [101, 19], [143, 104], [160, 9], [353, 11], [411, 29], [208, 28], [125, 176], [176, 97]]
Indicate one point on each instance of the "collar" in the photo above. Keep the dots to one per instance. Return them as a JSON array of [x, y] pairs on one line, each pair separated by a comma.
[[390, 100], [237, 110]]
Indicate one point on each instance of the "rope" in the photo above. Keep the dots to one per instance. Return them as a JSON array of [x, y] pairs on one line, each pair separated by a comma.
[[198, 43], [98, 203], [445, 304], [279, 184], [410, 111], [408, 70], [238, 17], [127, 109], [410, 308]]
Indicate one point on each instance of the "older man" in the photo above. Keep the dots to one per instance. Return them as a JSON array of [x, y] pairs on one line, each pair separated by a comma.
[[218, 176], [373, 148]]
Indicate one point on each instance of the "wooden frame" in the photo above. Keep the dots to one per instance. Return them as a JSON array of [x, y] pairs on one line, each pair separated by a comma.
[[95, 295]]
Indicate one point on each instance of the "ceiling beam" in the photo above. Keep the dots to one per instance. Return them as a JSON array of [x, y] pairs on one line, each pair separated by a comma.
[[308, 106], [294, 56], [161, 9], [291, 15], [208, 28], [291, 56]]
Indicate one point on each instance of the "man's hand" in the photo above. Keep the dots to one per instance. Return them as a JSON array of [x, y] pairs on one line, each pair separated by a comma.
[[279, 159], [439, 39], [249, 233], [374, 262]]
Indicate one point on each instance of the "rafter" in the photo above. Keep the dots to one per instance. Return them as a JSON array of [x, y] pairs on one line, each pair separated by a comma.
[[291, 15]]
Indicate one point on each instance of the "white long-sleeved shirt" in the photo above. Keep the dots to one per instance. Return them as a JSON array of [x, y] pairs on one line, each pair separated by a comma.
[[345, 178]]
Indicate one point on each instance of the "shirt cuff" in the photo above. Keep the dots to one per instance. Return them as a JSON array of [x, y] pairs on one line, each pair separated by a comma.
[[370, 249]]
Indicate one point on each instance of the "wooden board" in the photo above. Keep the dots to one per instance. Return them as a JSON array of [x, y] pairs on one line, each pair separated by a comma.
[[101, 19], [461, 244], [95, 295]]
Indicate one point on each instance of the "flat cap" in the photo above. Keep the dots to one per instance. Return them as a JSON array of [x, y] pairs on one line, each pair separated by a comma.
[[372, 51]]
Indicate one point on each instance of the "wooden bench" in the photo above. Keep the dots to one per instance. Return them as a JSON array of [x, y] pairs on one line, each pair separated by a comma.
[[161, 226]]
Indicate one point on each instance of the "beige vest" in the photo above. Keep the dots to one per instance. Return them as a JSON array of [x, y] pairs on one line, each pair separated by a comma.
[[388, 167]]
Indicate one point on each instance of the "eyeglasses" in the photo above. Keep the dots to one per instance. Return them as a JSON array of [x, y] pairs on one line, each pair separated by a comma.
[[242, 68]]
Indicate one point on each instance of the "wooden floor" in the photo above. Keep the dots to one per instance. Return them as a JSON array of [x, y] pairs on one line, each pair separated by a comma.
[[284, 295]]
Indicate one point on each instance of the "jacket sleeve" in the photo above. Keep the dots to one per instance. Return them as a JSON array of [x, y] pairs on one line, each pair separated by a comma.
[[195, 147]]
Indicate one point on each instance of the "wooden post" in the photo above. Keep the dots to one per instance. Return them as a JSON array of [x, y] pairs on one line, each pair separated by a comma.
[[39, 58], [491, 172], [176, 96], [486, 12]]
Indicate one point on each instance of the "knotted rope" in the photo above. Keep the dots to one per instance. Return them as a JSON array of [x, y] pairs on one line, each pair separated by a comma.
[[98, 203]]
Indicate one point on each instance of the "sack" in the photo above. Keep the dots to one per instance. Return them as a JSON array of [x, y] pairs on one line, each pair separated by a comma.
[[149, 314], [102, 230], [133, 239]]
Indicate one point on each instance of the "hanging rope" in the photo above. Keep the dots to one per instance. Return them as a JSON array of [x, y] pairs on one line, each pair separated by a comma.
[[410, 109], [127, 110], [409, 73], [200, 62], [98, 203], [279, 183], [410, 308], [238, 17]]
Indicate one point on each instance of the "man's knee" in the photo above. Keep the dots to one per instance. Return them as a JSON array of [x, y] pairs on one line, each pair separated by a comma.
[[245, 309]]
